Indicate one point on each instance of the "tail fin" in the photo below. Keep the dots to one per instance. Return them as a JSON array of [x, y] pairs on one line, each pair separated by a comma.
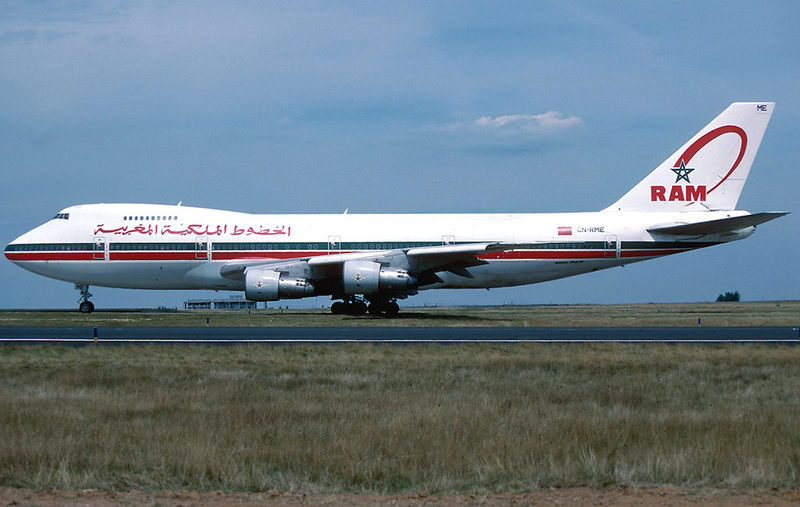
[[709, 171]]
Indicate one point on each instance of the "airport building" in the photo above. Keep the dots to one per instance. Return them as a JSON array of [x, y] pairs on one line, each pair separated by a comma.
[[232, 303]]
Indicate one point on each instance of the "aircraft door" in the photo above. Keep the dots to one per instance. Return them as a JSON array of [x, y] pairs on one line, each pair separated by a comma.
[[99, 248], [334, 244], [612, 247], [202, 248]]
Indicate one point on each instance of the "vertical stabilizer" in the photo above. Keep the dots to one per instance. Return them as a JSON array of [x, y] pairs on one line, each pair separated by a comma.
[[709, 171]]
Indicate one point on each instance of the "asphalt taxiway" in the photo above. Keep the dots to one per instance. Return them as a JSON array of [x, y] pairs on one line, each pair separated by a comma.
[[133, 335]]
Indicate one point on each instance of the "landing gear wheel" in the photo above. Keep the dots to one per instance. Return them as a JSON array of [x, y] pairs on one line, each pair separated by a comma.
[[352, 307], [375, 309], [85, 305], [391, 308]]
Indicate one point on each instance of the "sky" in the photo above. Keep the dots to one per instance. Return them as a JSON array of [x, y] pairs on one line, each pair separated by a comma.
[[392, 107]]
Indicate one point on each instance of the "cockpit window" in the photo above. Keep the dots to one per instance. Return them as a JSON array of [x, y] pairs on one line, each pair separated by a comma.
[[62, 216]]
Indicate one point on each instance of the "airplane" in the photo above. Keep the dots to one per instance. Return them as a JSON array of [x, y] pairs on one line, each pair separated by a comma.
[[367, 262]]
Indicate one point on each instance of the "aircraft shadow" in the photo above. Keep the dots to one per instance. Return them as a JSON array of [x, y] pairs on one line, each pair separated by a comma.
[[427, 317]]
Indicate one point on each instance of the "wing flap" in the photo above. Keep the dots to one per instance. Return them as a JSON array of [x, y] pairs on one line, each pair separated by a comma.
[[716, 226], [468, 249], [456, 258]]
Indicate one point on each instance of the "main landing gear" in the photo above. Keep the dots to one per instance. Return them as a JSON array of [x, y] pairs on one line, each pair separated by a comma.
[[354, 306], [351, 306], [85, 305], [385, 306]]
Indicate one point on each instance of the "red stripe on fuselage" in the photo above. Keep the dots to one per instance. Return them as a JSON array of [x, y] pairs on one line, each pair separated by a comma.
[[654, 253], [188, 255], [49, 256], [544, 254]]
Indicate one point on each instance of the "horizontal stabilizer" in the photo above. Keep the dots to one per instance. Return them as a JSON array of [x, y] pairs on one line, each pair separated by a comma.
[[716, 226]]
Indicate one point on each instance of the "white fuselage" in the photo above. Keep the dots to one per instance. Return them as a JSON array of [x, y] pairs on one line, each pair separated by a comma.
[[144, 246]]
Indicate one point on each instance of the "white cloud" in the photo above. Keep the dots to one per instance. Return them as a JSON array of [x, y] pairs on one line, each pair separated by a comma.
[[511, 129], [549, 123]]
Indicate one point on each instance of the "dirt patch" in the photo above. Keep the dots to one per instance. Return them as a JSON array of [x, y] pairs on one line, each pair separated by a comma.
[[617, 496]]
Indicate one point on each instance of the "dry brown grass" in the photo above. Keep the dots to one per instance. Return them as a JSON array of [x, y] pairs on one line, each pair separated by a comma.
[[776, 313], [393, 419]]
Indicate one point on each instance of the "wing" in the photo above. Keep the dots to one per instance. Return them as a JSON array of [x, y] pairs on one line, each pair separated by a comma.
[[456, 258], [235, 269], [453, 258]]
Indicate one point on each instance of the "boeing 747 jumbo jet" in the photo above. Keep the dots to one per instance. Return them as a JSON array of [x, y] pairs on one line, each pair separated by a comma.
[[368, 262]]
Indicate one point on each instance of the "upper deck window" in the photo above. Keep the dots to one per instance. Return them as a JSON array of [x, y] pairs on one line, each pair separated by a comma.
[[140, 218], [62, 216]]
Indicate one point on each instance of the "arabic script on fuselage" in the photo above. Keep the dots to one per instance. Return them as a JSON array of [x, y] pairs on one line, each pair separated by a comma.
[[194, 230]]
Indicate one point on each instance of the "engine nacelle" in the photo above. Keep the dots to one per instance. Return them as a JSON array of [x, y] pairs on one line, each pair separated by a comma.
[[367, 277], [264, 284]]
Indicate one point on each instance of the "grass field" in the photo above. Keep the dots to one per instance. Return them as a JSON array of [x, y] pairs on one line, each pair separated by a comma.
[[781, 313], [388, 419]]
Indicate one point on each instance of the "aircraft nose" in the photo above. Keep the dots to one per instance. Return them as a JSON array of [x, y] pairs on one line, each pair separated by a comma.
[[14, 250], [11, 250]]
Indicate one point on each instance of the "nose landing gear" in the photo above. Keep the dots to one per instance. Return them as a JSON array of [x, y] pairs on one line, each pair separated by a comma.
[[85, 305]]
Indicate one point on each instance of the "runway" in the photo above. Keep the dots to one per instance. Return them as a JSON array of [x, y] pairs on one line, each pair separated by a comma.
[[77, 336]]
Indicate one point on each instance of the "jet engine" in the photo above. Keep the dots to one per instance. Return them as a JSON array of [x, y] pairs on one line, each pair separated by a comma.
[[367, 277], [264, 284]]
